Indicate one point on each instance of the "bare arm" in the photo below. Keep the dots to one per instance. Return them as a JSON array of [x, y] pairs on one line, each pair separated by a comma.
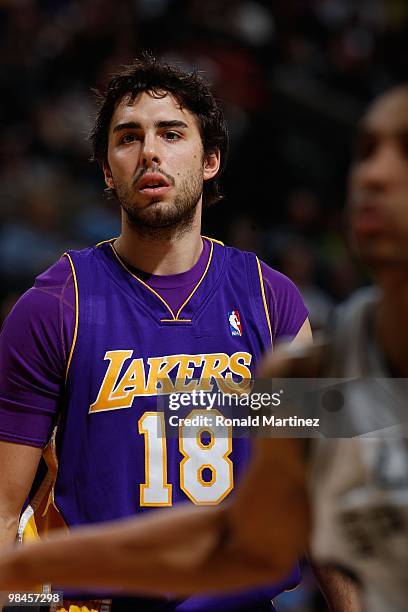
[[185, 550], [158, 554], [298, 360], [304, 335], [18, 467], [270, 513], [341, 592]]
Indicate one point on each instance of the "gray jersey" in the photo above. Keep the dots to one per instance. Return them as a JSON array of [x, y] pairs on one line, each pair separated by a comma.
[[359, 486]]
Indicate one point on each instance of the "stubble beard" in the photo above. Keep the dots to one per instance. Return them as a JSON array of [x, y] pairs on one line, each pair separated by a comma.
[[162, 220]]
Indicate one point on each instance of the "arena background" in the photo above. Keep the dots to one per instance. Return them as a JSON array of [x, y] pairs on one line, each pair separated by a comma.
[[294, 76]]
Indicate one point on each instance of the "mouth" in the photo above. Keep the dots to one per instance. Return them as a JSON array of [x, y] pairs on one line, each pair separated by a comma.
[[153, 185]]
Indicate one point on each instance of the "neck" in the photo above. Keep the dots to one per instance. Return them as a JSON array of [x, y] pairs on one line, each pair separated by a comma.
[[392, 319], [170, 252]]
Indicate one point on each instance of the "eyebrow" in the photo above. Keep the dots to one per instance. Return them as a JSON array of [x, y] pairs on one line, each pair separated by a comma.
[[135, 125]]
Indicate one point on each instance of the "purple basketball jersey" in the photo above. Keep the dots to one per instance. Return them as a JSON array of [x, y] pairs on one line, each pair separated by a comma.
[[115, 458]]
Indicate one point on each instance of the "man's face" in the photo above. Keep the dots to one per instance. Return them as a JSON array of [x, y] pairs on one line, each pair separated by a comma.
[[378, 188], [156, 163]]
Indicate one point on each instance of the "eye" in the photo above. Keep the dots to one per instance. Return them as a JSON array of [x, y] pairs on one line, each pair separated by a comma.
[[171, 136], [127, 138]]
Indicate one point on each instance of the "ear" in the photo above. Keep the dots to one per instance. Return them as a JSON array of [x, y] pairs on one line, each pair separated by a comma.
[[212, 163], [108, 175]]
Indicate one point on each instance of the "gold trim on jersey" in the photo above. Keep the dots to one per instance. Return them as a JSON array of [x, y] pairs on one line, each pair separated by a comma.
[[214, 240], [199, 282], [105, 241], [176, 320], [261, 281], [71, 352], [175, 316], [122, 263]]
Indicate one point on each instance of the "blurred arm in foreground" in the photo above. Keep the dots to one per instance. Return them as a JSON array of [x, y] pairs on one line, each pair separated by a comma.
[[186, 550]]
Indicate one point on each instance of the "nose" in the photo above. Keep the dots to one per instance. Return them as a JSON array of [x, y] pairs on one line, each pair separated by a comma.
[[381, 169], [150, 154]]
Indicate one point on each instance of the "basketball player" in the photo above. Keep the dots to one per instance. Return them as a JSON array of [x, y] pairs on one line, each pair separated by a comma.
[[359, 487], [105, 329]]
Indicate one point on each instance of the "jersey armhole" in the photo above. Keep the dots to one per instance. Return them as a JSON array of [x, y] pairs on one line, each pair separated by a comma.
[[267, 315], [74, 339]]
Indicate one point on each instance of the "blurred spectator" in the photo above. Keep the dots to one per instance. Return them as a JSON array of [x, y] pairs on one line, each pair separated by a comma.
[[299, 264], [243, 234], [33, 239]]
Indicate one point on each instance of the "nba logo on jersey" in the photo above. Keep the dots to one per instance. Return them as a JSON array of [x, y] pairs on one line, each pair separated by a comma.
[[235, 323]]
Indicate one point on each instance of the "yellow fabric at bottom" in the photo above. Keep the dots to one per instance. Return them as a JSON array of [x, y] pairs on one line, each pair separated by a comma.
[[30, 531], [77, 609], [92, 605]]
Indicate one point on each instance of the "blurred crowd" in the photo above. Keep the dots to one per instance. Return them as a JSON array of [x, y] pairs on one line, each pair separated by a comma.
[[293, 75]]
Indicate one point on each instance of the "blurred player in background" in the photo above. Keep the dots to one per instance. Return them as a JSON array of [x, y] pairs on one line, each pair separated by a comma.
[[358, 487], [105, 329]]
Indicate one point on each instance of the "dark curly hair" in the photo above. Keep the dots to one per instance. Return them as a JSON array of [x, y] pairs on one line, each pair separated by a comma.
[[188, 89]]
